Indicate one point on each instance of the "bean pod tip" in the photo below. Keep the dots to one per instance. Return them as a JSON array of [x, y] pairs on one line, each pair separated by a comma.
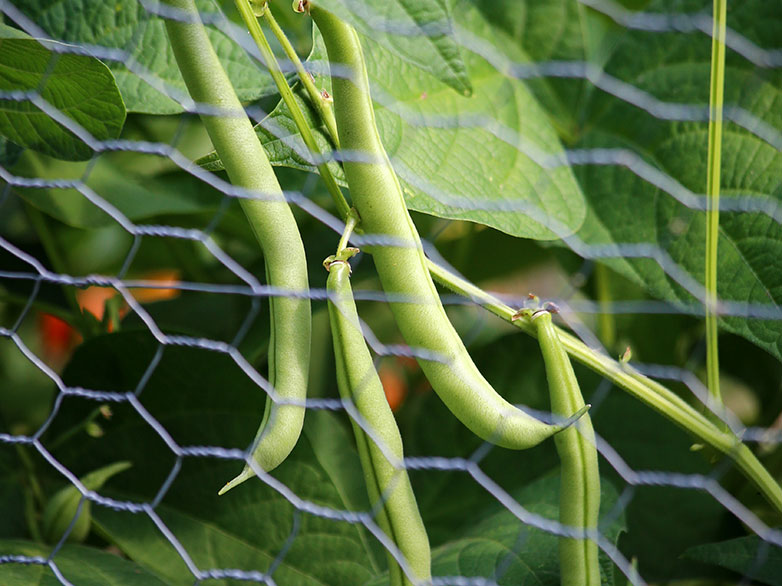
[[245, 474]]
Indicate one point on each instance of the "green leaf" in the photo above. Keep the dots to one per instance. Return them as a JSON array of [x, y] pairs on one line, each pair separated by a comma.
[[502, 542], [79, 87], [625, 209], [131, 26], [203, 398], [646, 441], [9, 152], [457, 157], [564, 31], [13, 495], [117, 179], [750, 556], [246, 532], [85, 566], [470, 158], [334, 449], [419, 32], [64, 506]]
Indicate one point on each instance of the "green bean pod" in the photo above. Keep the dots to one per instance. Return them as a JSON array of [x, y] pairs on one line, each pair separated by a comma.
[[359, 383], [273, 225], [579, 501], [377, 195]]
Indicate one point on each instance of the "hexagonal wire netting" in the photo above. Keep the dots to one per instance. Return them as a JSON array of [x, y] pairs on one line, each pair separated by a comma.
[[171, 374]]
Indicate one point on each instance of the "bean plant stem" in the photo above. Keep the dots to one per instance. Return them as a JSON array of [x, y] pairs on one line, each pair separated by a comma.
[[322, 105], [643, 388], [350, 225], [46, 236], [605, 317], [73, 430], [716, 97], [32, 497], [251, 22]]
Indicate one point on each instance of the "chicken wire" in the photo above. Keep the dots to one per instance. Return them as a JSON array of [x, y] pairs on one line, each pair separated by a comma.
[[247, 285]]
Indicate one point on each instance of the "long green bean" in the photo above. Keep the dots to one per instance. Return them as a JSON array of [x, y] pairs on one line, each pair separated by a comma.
[[386, 481], [377, 195], [579, 496], [273, 225]]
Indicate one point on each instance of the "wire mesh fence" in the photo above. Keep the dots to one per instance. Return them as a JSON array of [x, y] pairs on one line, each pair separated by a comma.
[[135, 327]]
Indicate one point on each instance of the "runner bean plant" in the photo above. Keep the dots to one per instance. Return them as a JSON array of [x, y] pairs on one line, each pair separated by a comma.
[[340, 120], [404, 271]]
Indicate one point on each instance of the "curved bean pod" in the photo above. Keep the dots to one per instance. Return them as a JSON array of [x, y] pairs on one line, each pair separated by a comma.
[[377, 195], [359, 383], [579, 500], [273, 225]]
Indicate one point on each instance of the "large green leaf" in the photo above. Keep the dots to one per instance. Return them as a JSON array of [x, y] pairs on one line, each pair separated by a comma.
[[472, 158], [79, 87], [672, 67], [419, 32], [564, 31], [477, 158], [750, 556], [626, 209], [153, 79], [85, 566], [203, 398]]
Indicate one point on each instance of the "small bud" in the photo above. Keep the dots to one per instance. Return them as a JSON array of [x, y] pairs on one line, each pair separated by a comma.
[[626, 356], [258, 7], [105, 411], [301, 6], [93, 429], [326, 96], [64, 505]]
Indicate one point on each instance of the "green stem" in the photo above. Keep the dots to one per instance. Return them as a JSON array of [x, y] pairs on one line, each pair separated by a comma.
[[29, 468], [251, 22], [605, 317], [350, 225], [716, 96], [72, 431], [645, 389], [52, 248], [31, 497], [322, 105]]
